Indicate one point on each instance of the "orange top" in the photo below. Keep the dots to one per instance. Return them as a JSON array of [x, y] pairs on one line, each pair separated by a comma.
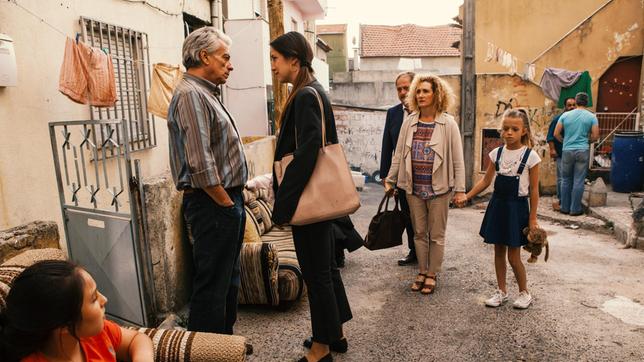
[[100, 348]]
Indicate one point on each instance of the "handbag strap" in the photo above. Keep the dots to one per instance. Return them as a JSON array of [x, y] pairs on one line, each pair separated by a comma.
[[386, 198], [317, 95]]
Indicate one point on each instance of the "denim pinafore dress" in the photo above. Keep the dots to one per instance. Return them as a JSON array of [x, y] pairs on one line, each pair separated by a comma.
[[507, 213]]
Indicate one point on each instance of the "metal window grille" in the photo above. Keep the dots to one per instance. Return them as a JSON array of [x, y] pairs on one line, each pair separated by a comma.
[[130, 56], [610, 123]]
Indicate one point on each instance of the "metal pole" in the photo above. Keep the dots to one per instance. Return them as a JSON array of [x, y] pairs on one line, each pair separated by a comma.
[[468, 92]]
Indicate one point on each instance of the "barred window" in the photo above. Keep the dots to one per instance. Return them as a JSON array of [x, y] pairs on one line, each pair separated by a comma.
[[129, 52]]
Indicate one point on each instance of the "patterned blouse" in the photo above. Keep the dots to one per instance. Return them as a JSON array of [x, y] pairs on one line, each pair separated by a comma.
[[422, 161]]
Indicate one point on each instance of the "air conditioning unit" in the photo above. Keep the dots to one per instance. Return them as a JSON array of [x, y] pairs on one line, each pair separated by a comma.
[[8, 73]]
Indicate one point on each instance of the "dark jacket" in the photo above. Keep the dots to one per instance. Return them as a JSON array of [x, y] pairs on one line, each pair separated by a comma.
[[345, 234], [393, 122], [304, 111]]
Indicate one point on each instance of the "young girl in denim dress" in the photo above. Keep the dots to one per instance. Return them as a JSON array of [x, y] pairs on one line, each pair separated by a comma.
[[513, 205]]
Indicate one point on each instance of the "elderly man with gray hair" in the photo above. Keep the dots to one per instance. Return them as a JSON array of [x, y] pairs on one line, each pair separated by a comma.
[[208, 165]]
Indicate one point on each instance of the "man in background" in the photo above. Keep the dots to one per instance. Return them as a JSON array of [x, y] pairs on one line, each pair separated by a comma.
[[395, 117]]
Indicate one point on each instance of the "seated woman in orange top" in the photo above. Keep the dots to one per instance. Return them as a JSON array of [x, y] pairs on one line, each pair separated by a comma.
[[55, 313]]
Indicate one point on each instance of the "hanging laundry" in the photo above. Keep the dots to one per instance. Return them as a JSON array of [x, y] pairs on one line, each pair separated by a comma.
[[529, 72], [507, 59], [513, 66], [491, 50], [554, 79], [583, 84], [87, 75], [164, 78], [498, 56]]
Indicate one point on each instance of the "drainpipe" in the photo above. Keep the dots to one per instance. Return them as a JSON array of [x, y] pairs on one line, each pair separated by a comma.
[[468, 92], [215, 14]]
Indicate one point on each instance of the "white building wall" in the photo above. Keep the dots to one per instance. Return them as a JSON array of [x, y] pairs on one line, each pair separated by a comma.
[[28, 188], [292, 13], [198, 8], [240, 9], [321, 70], [440, 65], [245, 90]]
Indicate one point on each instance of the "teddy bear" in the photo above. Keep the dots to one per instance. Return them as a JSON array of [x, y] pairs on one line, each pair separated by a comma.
[[537, 240]]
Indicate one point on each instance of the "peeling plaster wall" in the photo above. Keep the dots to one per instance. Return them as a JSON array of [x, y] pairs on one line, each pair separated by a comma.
[[613, 32], [360, 133], [616, 31], [376, 88], [525, 28], [495, 94]]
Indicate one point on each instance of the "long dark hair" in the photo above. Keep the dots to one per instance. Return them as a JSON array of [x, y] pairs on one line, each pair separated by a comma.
[[294, 45], [45, 296]]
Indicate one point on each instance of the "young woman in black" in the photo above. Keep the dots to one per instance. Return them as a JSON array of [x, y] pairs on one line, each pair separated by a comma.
[[301, 135]]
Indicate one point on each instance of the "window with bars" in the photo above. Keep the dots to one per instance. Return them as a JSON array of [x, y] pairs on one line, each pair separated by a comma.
[[129, 53]]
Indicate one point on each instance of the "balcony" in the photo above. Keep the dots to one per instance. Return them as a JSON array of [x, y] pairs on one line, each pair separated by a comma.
[[311, 9]]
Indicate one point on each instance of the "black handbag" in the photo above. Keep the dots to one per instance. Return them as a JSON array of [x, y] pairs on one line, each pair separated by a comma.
[[387, 227]]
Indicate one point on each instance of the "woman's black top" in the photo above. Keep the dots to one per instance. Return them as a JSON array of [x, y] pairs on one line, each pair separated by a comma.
[[304, 111]]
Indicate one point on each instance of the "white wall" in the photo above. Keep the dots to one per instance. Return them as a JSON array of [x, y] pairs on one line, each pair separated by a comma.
[[440, 65], [360, 133], [198, 8], [245, 91], [291, 12], [321, 70], [240, 9], [28, 188]]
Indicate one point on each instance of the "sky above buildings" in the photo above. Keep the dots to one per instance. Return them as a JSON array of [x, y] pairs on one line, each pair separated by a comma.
[[356, 12]]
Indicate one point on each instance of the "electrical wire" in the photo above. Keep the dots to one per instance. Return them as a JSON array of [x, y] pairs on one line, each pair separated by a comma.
[[147, 3]]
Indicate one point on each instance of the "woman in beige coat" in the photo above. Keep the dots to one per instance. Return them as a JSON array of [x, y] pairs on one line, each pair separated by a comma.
[[428, 165]]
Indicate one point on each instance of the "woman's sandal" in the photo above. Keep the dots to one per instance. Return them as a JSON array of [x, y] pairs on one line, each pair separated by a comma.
[[429, 284], [419, 282]]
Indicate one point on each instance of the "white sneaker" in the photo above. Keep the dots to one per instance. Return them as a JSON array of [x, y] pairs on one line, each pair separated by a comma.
[[524, 300], [497, 299]]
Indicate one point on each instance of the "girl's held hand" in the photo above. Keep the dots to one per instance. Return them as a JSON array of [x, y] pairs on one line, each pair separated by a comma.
[[460, 199]]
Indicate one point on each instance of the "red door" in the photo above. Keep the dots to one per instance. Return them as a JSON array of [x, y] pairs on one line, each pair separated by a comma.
[[619, 86]]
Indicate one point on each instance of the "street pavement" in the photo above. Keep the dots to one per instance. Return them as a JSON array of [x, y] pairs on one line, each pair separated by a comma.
[[588, 303]]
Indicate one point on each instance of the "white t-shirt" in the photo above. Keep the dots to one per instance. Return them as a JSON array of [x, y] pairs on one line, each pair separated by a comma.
[[509, 165]]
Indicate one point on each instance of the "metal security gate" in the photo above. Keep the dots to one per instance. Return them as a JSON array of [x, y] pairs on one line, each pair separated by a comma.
[[101, 215], [609, 124]]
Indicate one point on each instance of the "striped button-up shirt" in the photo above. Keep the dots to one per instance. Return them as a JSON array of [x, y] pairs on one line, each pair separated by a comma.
[[205, 146]]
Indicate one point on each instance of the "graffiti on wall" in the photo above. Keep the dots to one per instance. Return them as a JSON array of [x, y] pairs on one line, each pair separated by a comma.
[[538, 116]]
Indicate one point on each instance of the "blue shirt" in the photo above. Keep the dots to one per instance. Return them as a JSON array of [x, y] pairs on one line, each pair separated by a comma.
[[577, 124], [551, 135]]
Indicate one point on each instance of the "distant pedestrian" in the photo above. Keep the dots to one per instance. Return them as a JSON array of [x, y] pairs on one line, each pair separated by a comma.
[[576, 129], [301, 135], [395, 117], [556, 148], [428, 165], [509, 211]]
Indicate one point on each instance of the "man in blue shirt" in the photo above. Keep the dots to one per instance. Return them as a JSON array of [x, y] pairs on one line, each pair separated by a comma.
[[556, 147], [581, 128]]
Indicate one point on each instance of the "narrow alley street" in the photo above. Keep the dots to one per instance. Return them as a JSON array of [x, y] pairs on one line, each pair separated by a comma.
[[570, 320]]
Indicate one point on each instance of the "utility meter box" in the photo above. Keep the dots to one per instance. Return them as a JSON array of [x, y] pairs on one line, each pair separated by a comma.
[[8, 73]]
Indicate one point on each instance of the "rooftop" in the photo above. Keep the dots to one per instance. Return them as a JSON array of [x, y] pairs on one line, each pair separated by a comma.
[[331, 29], [408, 40]]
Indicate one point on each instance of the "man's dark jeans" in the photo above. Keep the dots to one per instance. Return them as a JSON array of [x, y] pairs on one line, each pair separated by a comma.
[[218, 233]]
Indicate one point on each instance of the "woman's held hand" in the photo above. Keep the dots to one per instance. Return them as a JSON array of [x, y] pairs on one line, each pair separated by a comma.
[[389, 189], [460, 199]]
